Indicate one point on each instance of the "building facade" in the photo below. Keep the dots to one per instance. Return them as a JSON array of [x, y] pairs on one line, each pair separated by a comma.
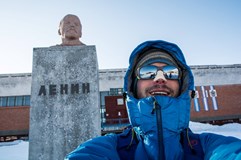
[[217, 98]]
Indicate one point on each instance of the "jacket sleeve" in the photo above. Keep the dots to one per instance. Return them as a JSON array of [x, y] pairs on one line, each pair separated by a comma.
[[103, 147], [220, 147]]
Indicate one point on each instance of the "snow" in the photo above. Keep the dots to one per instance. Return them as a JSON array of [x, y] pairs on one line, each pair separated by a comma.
[[231, 129], [18, 150]]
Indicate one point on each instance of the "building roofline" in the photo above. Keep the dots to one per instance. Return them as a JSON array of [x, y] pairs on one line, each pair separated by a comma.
[[114, 70]]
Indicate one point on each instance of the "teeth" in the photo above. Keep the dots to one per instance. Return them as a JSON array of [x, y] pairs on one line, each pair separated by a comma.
[[158, 93]]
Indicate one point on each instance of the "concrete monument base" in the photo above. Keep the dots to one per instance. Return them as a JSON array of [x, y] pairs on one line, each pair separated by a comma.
[[64, 100]]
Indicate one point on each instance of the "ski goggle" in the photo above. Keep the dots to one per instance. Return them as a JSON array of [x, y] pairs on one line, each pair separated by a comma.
[[150, 72]]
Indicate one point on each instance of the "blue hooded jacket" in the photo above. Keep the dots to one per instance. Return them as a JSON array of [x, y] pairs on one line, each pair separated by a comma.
[[158, 121]]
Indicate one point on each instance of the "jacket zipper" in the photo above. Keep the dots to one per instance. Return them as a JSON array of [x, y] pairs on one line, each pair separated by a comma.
[[157, 109]]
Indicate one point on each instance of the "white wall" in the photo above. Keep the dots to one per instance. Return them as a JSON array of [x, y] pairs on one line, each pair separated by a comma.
[[217, 74], [15, 84]]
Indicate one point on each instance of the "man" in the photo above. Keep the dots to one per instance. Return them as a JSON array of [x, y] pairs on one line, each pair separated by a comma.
[[158, 89], [70, 30]]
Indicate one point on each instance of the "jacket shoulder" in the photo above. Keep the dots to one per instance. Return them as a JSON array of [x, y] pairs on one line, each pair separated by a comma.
[[220, 147], [103, 147], [126, 144]]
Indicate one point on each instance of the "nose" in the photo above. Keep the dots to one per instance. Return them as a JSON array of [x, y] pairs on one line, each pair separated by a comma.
[[71, 24], [160, 78]]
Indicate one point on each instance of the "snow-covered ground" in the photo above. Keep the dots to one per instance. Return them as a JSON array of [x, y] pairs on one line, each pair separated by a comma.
[[18, 150]]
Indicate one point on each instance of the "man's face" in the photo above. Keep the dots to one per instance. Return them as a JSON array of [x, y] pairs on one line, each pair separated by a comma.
[[158, 86], [70, 28]]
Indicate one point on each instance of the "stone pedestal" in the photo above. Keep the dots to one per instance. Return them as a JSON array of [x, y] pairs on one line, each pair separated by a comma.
[[64, 100]]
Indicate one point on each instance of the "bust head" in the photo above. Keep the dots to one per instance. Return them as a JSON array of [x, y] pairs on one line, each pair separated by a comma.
[[70, 29]]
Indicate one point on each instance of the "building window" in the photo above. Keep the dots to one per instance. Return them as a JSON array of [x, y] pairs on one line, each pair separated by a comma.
[[19, 101], [15, 101], [103, 94], [26, 101], [116, 91], [3, 101], [11, 101], [120, 101]]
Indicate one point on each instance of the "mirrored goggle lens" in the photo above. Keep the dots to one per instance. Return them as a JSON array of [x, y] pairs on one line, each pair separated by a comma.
[[149, 72], [171, 72]]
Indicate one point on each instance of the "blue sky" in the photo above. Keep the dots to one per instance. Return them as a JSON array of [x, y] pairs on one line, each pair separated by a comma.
[[208, 32]]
